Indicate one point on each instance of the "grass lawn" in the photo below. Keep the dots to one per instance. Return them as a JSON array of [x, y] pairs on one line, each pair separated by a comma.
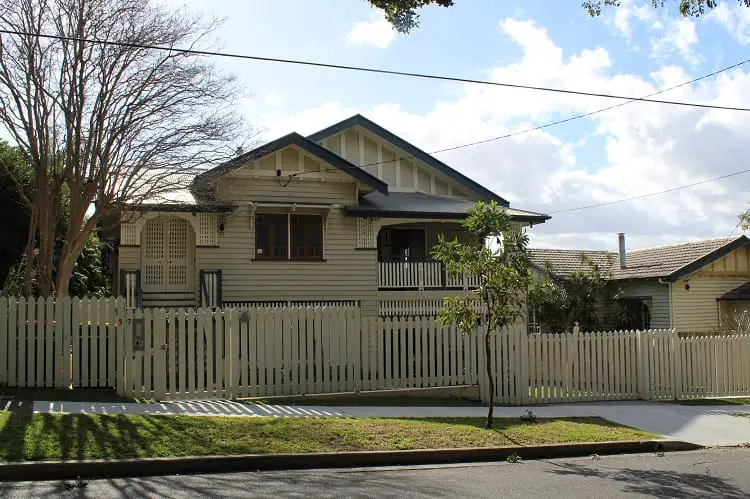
[[369, 400], [718, 401], [79, 436]]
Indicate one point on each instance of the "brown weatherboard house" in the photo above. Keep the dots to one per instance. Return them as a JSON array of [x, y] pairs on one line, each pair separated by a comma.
[[700, 286], [345, 216]]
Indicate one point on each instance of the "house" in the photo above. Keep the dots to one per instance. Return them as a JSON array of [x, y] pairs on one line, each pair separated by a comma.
[[698, 286], [347, 215]]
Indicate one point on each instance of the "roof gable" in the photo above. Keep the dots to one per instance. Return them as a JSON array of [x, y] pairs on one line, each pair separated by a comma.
[[414, 151], [202, 180]]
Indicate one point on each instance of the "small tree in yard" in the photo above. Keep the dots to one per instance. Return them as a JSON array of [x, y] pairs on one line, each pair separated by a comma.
[[503, 272]]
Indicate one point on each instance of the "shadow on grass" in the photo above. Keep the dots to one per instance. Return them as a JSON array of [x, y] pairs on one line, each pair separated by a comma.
[[657, 483]]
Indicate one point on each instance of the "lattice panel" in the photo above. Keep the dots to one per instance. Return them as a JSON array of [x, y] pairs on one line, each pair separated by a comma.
[[129, 234], [177, 253], [366, 236], [208, 233], [154, 245]]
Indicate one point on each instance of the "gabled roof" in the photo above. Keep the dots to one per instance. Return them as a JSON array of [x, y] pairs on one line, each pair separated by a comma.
[[416, 152], [673, 262], [303, 143], [420, 205]]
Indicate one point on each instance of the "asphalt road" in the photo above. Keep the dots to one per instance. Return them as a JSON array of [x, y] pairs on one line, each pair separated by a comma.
[[700, 474]]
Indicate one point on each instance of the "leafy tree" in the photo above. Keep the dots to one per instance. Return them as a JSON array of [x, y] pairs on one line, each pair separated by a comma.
[[560, 302], [402, 14], [688, 8], [504, 277], [15, 178]]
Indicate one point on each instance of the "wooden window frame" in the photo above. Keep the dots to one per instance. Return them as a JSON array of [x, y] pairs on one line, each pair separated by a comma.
[[306, 236], [288, 227], [271, 238]]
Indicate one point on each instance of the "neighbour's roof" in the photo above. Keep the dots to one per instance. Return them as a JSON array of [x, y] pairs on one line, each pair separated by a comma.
[[673, 261], [301, 142], [738, 293], [565, 262], [411, 149], [420, 205]]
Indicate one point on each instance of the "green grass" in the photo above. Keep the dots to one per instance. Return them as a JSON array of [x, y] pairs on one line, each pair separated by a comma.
[[369, 400], [716, 401], [55, 436]]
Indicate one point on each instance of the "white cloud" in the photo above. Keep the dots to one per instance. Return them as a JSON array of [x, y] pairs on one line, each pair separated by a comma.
[[735, 19], [635, 149], [627, 11], [681, 38], [377, 31]]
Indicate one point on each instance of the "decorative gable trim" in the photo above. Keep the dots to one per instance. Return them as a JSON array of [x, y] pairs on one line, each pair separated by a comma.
[[374, 128]]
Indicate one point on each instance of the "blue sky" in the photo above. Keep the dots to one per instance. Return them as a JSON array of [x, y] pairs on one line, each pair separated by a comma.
[[633, 150]]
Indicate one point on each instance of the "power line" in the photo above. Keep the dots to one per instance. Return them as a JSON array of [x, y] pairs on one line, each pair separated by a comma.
[[673, 189], [546, 125], [428, 76], [628, 99]]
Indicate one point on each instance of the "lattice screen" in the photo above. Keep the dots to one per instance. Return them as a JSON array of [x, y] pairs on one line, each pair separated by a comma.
[[153, 271], [177, 238], [208, 233], [129, 234], [366, 235]]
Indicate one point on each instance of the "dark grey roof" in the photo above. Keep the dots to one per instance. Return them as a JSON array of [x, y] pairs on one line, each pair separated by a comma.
[[416, 152], [419, 205], [739, 293], [673, 261], [298, 140]]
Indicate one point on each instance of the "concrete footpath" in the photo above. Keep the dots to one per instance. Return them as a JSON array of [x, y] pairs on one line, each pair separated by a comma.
[[701, 425]]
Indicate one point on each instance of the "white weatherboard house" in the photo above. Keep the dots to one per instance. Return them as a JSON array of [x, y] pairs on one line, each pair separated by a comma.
[[345, 216]]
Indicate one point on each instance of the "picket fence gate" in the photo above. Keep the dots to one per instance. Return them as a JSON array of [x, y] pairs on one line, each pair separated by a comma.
[[255, 352]]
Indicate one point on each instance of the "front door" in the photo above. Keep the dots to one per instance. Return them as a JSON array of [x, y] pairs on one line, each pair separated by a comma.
[[167, 255]]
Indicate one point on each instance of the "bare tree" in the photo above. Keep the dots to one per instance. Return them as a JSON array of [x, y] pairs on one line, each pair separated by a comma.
[[104, 118]]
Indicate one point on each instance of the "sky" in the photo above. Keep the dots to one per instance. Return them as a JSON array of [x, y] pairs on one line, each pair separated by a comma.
[[633, 150]]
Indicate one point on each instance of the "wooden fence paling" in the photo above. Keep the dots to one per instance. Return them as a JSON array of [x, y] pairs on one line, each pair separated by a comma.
[[207, 353]]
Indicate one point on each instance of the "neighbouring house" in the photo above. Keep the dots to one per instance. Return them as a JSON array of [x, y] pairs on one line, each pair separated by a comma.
[[699, 286], [345, 216]]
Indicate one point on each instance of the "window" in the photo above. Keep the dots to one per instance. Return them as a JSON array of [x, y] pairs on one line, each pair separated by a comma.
[[307, 236], [288, 237]]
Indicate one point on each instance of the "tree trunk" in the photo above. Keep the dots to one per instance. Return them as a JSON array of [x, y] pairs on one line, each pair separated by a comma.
[[28, 270], [490, 377]]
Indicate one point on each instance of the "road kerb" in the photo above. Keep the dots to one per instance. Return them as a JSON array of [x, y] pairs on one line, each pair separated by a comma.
[[118, 468]]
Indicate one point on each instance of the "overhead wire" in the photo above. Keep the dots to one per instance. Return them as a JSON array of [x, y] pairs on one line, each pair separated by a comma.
[[410, 74], [628, 99]]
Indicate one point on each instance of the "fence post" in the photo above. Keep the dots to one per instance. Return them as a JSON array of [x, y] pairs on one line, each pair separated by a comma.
[[524, 367], [643, 377], [159, 362], [675, 352]]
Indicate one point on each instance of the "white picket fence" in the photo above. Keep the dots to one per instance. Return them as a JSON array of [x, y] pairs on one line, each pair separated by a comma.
[[266, 351], [59, 344], [288, 351], [617, 365]]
